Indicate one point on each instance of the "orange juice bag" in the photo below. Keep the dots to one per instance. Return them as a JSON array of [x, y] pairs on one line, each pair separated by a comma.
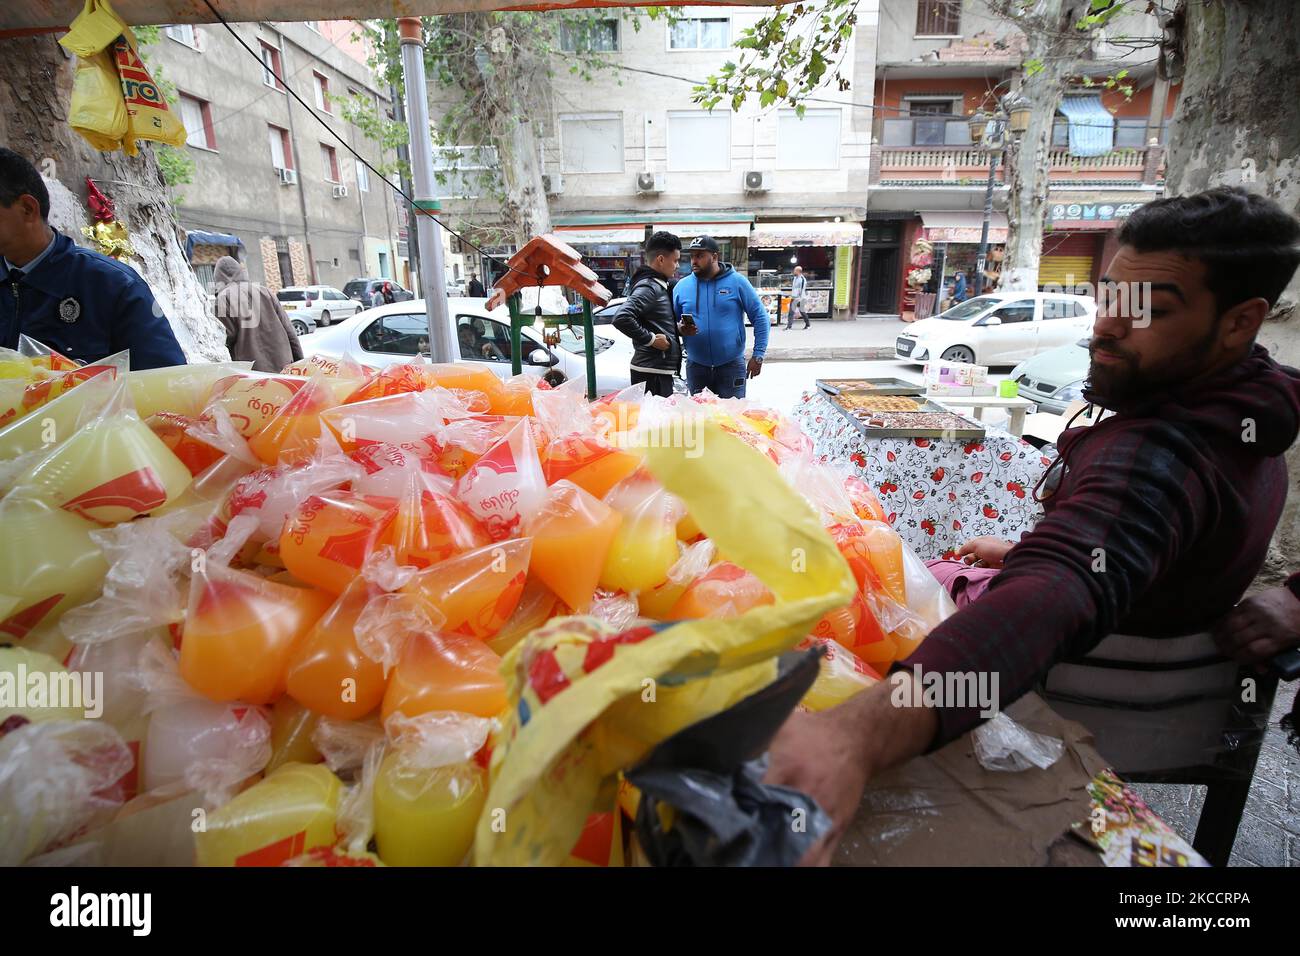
[[590, 463], [252, 399], [240, 632], [292, 434], [292, 727], [645, 547], [395, 419], [327, 539], [842, 674], [537, 604], [695, 559], [476, 592], [430, 525], [724, 590], [174, 431], [445, 671], [571, 539], [328, 672], [505, 488]]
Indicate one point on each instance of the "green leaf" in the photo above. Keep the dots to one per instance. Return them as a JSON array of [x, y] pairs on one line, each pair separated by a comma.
[[1033, 67], [782, 88], [736, 101], [799, 110], [767, 98]]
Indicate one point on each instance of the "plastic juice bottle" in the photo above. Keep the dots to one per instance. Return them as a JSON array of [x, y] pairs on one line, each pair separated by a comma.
[[478, 591], [240, 631], [294, 431], [111, 470], [445, 672], [645, 547], [327, 671], [426, 816], [291, 728], [327, 539], [290, 812], [430, 527], [571, 538], [48, 563], [725, 590]]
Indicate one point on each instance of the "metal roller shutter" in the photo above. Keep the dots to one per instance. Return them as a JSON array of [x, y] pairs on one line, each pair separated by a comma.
[[1067, 258]]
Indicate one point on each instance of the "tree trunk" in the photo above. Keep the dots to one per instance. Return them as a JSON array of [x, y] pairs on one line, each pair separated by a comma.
[[1236, 124], [35, 93], [1053, 42]]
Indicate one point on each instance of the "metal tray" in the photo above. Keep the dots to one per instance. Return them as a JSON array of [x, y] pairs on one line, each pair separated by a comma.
[[877, 386], [974, 431]]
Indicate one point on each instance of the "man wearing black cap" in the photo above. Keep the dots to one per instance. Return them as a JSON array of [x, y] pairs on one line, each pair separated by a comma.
[[717, 299]]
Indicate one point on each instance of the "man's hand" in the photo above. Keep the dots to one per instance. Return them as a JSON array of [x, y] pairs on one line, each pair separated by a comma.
[[754, 367], [987, 550], [660, 342], [1260, 627], [687, 329]]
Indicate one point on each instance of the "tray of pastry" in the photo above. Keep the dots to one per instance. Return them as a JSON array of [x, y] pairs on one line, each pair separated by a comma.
[[927, 421], [877, 386]]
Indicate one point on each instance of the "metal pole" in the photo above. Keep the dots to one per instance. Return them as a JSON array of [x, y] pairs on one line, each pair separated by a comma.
[[404, 157], [432, 274], [589, 343], [983, 255]]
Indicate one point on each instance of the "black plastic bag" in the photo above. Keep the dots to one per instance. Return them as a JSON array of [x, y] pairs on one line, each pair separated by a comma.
[[709, 776]]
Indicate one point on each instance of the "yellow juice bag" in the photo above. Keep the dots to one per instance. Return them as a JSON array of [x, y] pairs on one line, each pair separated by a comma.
[[290, 812], [179, 389]]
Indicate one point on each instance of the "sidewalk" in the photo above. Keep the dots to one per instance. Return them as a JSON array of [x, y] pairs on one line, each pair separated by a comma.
[[852, 339]]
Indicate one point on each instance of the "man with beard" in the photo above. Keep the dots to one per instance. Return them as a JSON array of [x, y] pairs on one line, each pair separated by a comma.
[[1179, 491]]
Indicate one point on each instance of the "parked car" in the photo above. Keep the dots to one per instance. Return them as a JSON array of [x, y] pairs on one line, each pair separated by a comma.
[[361, 289], [1000, 328], [1054, 378], [322, 304], [398, 332]]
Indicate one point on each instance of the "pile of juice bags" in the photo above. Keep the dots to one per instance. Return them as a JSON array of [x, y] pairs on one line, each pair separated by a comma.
[[297, 590]]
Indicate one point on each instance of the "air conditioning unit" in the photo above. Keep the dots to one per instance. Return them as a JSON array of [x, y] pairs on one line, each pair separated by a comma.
[[649, 182], [757, 181], [340, 192], [553, 184], [287, 176]]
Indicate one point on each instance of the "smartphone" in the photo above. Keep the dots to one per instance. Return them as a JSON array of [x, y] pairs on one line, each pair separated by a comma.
[[688, 320]]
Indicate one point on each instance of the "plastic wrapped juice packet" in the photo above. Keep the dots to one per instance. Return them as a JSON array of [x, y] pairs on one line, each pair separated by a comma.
[[405, 419], [865, 503], [112, 469], [45, 386], [56, 779], [17, 664], [725, 590], [927, 600], [461, 442], [505, 488], [252, 399], [196, 744], [645, 545], [428, 791], [842, 674], [693, 561], [328, 537], [416, 377], [391, 469], [576, 716], [42, 356], [517, 395], [290, 812], [180, 434], [345, 367], [353, 749], [442, 670], [292, 729], [24, 441], [293, 433], [476, 592], [537, 604], [431, 524], [591, 463], [180, 389], [572, 534]]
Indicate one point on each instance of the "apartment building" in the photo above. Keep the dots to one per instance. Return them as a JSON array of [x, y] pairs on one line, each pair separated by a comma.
[[271, 185], [938, 62]]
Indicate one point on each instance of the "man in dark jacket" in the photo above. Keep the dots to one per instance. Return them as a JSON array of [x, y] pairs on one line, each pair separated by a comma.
[[76, 301], [257, 329], [475, 288], [1156, 519], [647, 318]]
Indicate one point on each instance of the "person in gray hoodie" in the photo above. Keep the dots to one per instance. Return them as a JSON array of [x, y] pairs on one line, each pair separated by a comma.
[[257, 330]]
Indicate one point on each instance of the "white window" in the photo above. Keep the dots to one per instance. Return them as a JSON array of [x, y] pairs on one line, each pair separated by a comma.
[[699, 140], [459, 171], [709, 33], [196, 114], [591, 143], [281, 151], [321, 86], [809, 143], [600, 35], [329, 163], [271, 70], [183, 33], [363, 177]]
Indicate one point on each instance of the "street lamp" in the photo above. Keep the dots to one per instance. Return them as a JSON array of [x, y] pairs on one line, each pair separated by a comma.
[[992, 138]]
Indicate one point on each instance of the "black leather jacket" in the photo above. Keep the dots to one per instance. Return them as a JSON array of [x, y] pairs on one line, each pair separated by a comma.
[[649, 310]]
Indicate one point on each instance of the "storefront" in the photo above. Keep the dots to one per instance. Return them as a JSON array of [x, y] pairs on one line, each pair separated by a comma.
[[825, 251], [613, 252], [956, 240], [203, 249], [732, 237], [1076, 233]]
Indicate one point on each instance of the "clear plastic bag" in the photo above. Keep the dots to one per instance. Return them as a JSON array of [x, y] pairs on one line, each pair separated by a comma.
[[644, 548], [571, 536], [505, 488], [1003, 744]]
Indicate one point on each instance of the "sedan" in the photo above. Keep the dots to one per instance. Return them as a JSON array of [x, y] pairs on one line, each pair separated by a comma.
[[1055, 378], [322, 303], [1001, 328], [399, 332]]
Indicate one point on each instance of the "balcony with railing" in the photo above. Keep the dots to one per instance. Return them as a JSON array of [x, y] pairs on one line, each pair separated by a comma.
[[939, 152]]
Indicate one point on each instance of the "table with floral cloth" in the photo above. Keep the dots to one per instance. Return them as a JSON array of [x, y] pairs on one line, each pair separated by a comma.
[[937, 493]]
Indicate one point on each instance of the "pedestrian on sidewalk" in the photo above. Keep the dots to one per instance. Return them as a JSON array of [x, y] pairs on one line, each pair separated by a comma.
[[257, 329], [798, 303], [475, 288], [646, 317], [718, 299]]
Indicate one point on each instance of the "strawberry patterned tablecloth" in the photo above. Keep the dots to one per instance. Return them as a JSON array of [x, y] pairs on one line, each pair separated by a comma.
[[937, 493]]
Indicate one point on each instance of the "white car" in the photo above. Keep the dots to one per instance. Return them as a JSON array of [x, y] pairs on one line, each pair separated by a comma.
[[399, 332], [999, 328], [322, 303]]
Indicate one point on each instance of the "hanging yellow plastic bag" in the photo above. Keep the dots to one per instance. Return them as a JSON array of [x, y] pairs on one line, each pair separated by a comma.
[[577, 709], [96, 27], [98, 111], [148, 115]]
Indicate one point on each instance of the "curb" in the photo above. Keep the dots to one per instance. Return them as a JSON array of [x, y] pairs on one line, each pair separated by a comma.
[[852, 353]]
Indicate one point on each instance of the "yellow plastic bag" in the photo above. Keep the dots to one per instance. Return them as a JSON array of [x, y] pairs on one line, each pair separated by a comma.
[[98, 112], [586, 701], [148, 115], [96, 26]]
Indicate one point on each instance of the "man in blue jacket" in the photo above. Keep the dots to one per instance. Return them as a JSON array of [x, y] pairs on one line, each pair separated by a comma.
[[718, 298], [78, 302]]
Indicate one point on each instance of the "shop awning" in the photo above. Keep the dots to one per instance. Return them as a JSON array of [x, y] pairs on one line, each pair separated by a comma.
[[1092, 127], [718, 230], [781, 235], [624, 234], [963, 226], [196, 237]]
